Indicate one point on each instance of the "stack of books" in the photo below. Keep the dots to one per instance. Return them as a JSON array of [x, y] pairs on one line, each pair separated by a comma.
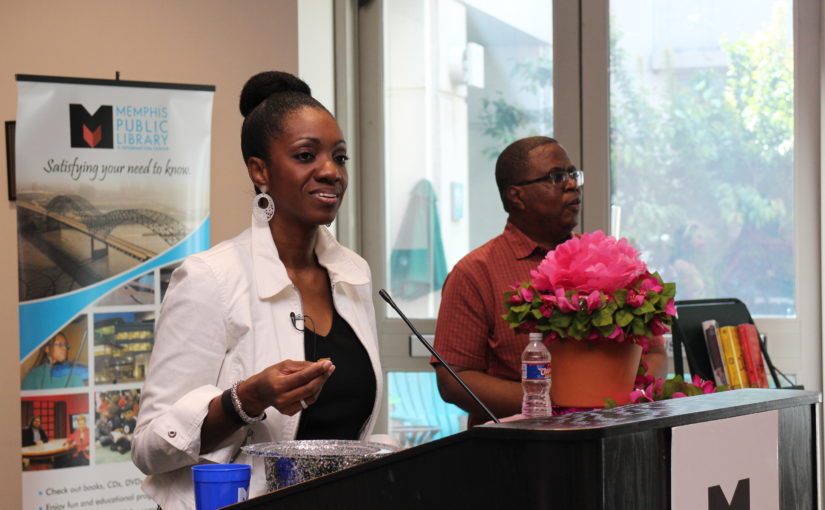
[[735, 355]]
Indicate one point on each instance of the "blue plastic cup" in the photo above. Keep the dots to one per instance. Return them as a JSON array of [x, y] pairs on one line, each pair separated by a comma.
[[219, 485]]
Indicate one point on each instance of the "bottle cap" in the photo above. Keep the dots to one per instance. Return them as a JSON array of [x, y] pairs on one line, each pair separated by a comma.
[[536, 337]]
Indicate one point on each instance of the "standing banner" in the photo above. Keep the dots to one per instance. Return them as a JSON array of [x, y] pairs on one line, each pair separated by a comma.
[[112, 192]]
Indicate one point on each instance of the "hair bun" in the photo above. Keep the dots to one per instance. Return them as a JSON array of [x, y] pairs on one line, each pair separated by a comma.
[[263, 85]]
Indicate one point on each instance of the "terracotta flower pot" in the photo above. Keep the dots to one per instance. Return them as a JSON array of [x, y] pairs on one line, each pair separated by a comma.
[[584, 373]]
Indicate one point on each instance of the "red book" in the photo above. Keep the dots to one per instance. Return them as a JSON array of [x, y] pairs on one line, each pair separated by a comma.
[[752, 353]]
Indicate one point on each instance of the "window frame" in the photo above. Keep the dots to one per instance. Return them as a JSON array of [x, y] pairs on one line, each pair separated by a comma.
[[580, 38]]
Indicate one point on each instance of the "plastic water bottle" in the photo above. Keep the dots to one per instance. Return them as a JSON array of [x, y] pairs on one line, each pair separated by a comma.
[[535, 378]]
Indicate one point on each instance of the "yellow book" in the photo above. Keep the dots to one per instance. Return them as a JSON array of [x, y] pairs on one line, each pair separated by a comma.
[[735, 363]]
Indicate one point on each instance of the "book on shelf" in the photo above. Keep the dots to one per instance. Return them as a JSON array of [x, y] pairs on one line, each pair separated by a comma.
[[734, 362], [752, 354], [710, 329]]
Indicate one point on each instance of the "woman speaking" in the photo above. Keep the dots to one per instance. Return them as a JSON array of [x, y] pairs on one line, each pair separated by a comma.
[[271, 335]]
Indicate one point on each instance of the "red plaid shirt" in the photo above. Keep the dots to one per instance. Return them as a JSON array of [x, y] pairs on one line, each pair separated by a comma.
[[470, 332]]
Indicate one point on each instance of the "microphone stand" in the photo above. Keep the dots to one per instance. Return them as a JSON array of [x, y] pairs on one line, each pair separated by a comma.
[[386, 297]]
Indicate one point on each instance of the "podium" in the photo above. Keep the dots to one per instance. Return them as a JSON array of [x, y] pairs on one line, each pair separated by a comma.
[[605, 459]]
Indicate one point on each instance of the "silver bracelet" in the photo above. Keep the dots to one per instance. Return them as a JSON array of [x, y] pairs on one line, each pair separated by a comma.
[[236, 403]]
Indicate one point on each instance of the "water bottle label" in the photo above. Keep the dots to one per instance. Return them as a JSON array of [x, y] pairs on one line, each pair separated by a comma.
[[535, 371]]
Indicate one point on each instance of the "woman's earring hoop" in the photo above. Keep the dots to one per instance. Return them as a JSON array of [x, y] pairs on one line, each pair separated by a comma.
[[265, 212]]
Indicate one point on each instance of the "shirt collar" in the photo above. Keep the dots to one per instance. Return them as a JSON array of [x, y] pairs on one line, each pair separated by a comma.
[[523, 247], [270, 273]]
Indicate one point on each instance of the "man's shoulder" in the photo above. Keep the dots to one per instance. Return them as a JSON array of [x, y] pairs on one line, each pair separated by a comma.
[[487, 254]]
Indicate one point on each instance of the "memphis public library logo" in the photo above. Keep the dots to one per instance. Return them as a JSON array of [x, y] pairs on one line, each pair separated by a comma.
[[131, 127], [91, 131]]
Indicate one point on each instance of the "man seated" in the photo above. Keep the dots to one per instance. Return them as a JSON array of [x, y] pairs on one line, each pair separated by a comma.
[[540, 190]]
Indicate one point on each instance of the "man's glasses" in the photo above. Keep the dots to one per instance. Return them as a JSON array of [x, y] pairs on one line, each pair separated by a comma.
[[557, 177]]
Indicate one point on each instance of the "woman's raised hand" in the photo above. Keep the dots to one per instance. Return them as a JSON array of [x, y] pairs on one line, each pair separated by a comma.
[[284, 385]]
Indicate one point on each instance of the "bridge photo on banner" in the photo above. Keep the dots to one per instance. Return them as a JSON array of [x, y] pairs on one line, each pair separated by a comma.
[[112, 183]]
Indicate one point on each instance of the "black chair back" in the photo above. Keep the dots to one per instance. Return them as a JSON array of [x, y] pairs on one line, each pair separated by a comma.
[[687, 330]]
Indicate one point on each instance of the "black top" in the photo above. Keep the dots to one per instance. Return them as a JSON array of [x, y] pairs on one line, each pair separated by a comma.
[[347, 399]]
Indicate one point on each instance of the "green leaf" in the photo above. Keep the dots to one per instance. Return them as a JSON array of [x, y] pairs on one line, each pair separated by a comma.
[[522, 308], [671, 386], [637, 327], [579, 328], [624, 317], [603, 317], [605, 331], [561, 320], [621, 297], [646, 307], [609, 403], [669, 291]]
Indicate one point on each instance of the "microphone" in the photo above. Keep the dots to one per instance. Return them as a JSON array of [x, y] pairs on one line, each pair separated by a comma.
[[295, 318], [386, 297]]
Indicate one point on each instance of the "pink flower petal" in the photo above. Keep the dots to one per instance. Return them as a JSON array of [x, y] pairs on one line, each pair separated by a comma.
[[657, 328], [635, 395], [527, 294], [594, 301]]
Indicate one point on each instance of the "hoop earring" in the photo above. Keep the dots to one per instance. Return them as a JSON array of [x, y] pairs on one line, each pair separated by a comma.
[[265, 213]]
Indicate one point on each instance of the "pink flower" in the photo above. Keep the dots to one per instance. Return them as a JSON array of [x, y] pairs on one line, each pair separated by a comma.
[[515, 299], [706, 386], [565, 304], [635, 300], [670, 308], [592, 262], [650, 283], [639, 396], [526, 294], [617, 333], [548, 299], [546, 310], [657, 327], [642, 381], [678, 394], [594, 301]]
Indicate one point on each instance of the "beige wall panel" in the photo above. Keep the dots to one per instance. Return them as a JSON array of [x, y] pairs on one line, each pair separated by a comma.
[[212, 42]]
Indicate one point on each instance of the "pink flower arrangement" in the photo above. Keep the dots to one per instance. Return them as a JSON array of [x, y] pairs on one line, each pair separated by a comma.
[[650, 389], [593, 288], [594, 262]]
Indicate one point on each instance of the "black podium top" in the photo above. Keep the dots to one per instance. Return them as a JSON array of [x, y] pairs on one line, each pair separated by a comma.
[[664, 413], [595, 460]]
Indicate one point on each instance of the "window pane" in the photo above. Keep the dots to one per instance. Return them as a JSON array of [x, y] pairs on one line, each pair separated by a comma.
[[417, 413], [462, 80], [701, 145]]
